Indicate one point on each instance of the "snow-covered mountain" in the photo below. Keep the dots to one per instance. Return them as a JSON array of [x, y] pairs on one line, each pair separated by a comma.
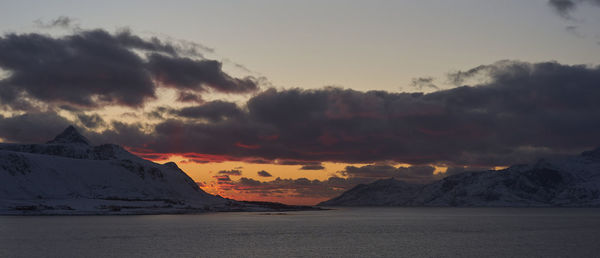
[[67, 175], [572, 182]]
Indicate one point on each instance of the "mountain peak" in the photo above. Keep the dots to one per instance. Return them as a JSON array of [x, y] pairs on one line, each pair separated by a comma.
[[70, 135]]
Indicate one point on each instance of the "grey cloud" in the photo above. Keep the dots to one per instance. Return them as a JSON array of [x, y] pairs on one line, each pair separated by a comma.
[[126, 134], [312, 167], [522, 112], [214, 111], [223, 180], [197, 75], [93, 68], [263, 173], [459, 78], [186, 96], [61, 21], [127, 39], [233, 172], [32, 128], [423, 83], [129, 115], [157, 113], [565, 7], [84, 69], [562, 7], [91, 121]]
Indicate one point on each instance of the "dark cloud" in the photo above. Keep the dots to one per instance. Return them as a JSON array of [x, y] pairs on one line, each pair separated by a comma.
[[94, 68], [126, 134], [43, 126], [223, 179], [186, 96], [292, 162], [155, 45], [84, 69], [197, 75], [479, 73], [214, 111], [190, 48], [263, 173], [521, 111], [32, 128], [92, 121], [129, 115], [565, 7], [233, 172], [562, 7], [157, 113], [198, 161], [423, 83], [258, 161], [312, 167]]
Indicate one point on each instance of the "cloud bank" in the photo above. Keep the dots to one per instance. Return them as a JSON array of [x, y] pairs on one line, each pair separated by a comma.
[[522, 111], [519, 112]]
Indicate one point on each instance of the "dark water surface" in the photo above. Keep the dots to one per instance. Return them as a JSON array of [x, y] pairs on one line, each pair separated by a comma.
[[347, 232]]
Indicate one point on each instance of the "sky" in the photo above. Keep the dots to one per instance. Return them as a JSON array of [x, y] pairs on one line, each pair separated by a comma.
[[298, 101]]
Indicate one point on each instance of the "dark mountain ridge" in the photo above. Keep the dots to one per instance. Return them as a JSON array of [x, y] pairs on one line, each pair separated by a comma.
[[572, 182]]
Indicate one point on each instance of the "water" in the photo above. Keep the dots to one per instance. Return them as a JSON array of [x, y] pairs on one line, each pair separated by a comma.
[[348, 232]]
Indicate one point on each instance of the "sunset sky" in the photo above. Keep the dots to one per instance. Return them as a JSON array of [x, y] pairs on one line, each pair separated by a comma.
[[296, 102]]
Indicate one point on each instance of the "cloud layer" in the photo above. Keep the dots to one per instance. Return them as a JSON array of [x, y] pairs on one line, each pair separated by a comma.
[[521, 111], [499, 114]]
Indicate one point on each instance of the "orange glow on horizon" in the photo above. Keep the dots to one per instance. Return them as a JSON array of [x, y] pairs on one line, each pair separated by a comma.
[[206, 173]]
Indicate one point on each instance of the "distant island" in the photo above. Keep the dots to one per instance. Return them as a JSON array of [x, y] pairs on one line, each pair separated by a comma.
[[567, 182], [68, 176]]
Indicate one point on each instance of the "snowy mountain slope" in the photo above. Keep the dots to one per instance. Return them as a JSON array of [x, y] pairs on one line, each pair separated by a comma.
[[573, 181], [68, 176], [387, 192]]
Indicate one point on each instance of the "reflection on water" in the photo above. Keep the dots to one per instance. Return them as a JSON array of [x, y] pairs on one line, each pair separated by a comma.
[[357, 232]]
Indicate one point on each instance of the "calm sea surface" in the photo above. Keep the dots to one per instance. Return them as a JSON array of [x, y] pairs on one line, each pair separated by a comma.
[[347, 232]]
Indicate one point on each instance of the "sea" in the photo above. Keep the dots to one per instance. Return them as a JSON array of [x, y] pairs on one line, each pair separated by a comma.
[[341, 232]]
